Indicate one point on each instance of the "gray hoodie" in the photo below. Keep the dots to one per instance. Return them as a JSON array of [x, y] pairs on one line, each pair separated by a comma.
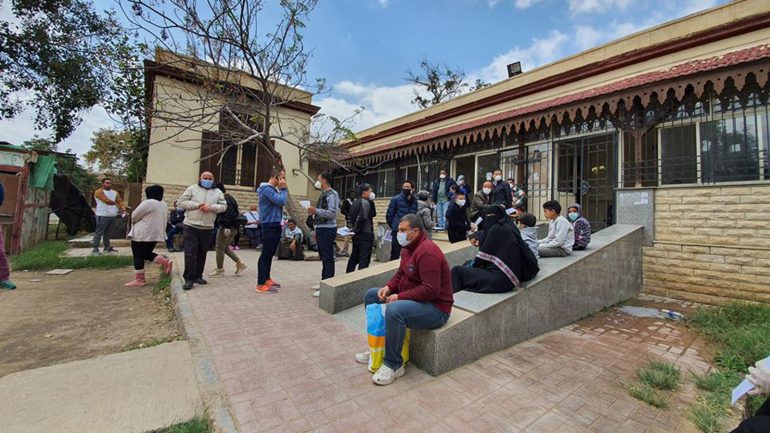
[[561, 234], [529, 234]]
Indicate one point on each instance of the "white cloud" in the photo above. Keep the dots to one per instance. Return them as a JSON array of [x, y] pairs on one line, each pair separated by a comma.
[[597, 6], [524, 4], [588, 37], [541, 51], [383, 3], [492, 3], [693, 6]]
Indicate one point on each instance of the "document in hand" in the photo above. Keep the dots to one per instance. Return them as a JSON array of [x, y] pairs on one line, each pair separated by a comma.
[[304, 203]]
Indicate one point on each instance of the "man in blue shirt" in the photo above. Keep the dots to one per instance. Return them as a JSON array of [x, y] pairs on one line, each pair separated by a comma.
[[442, 196], [272, 198], [325, 212], [400, 205]]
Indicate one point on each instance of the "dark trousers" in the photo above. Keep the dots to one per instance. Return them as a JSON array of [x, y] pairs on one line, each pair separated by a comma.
[[196, 244], [326, 237], [254, 235], [479, 280], [178, 228], [142, 251], [360, 255], [759, 423], [104, 228], [271, 236], [395, 248], [237, 237]]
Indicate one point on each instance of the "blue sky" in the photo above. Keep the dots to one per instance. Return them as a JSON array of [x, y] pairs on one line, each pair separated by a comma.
[[364, 47]]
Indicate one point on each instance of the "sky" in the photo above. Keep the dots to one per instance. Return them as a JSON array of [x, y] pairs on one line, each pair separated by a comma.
[[363, 48]]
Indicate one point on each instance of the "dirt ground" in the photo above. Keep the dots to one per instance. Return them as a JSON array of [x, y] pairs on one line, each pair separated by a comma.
[[85, 314]]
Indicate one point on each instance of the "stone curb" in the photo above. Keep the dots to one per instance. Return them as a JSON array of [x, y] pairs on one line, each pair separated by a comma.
[[212, 394]]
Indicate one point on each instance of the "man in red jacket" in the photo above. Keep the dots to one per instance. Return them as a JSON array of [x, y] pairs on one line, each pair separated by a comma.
[[419, 296]]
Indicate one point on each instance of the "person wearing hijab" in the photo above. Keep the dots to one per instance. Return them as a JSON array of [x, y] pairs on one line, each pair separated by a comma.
[[503, 260], [581, 225], [149, 228]]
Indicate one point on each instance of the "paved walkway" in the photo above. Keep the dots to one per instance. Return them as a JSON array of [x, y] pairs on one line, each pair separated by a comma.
[[130, 392], [288, 366]]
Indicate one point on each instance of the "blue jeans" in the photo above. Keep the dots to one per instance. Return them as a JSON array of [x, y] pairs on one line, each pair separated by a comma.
[[326, 237], [441, 212], [170, 239], [271, 236], [401, 315]]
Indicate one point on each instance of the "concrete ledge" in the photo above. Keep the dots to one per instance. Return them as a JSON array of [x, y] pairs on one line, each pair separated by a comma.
[[347, 291]]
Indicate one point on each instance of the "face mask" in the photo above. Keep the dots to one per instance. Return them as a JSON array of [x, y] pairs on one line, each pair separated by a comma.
[[461, 203], [498, 178], [207, 183], [442, 176], [407, 192], [486, 190], [402, 240], [318, 184], [372, 196], [179, 209], [573, 216]]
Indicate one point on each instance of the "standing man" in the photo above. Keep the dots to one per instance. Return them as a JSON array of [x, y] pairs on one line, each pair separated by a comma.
[[325, 212], [400, 206], [361, 222], [463, 185], [501, 194], [202, 203], [481, 200], [441, 196], [108, 202], [272, 198], [252, 229]]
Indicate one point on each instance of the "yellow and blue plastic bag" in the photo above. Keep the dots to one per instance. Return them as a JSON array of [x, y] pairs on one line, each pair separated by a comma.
[[375, 332]]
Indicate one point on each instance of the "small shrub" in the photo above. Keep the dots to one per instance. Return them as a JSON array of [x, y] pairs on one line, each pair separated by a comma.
[[716, 381], [708, 410], [648, 395], [659, 375], [195, 425]]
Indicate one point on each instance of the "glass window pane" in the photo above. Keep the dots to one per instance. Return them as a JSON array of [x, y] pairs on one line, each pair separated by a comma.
[[729, 150], [678, 155]]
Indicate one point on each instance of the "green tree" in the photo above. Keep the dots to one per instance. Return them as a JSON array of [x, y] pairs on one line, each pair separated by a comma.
[[52, 60], [437, 83], [111, 152]]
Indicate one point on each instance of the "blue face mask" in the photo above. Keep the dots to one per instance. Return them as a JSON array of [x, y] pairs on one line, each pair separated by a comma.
[[207, 183], [179, 209], [573, 216]]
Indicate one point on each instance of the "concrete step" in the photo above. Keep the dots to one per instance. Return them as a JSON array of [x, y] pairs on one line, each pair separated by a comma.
[[87, 242]]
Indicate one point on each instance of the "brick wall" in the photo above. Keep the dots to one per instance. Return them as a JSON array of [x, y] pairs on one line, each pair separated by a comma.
[[712, 244]]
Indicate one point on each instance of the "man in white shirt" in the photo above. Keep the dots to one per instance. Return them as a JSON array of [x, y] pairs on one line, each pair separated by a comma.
[[252, 229], [108, 203]]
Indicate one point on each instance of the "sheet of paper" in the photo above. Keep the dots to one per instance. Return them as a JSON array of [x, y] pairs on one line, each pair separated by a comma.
[[741, 390], [510, 211], [304, 203], [478, 221], [388, 236], [344, 231]]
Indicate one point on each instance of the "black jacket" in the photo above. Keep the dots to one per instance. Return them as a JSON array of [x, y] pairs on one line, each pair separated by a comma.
[[227, 219], [501, 194], [457, 223], [176, 217], [362, 225]]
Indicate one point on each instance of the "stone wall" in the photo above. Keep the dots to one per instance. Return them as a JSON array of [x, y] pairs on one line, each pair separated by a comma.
[[712, 244]]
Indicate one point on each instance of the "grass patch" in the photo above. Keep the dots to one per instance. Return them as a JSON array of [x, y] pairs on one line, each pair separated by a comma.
[[48, 255], [196, 425], [716, 381], [163, 286], [659, 375], [708, 411], [649, 395]]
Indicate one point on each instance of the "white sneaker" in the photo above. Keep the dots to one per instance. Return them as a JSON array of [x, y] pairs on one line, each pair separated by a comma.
[[316, 287], [363, 357], [317, 294], [385, 375], [217, 272]]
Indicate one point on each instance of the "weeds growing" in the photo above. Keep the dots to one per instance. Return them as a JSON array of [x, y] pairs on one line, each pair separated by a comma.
[[48, 255]]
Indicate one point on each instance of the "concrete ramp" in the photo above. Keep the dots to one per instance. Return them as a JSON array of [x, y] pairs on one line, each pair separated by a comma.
[[566, 290]]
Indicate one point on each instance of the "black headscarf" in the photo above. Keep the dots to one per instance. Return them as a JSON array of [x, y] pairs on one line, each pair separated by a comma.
[[502, 239], [154, 192]]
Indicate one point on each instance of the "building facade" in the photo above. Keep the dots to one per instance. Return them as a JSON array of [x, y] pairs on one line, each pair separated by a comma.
[[679, 111]]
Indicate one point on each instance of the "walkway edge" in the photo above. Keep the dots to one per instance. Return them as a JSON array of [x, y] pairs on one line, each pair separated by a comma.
[[212, 395]]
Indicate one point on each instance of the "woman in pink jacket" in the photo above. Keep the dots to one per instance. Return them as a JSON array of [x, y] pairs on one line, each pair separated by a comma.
[[149, 228]]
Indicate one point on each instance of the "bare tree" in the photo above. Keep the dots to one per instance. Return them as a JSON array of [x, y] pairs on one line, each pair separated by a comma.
[[244, 71], [440, 83]]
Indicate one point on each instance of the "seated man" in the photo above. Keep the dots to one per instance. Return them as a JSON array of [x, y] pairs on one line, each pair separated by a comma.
[[419, 296], [504, 260], [176, 219], [561, 234], [581, 225], [252, 228], [290, 246]]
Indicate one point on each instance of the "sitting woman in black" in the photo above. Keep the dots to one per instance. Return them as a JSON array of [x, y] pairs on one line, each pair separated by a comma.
[[503, 260]]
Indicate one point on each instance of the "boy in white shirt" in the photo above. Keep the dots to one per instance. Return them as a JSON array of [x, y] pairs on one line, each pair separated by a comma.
[[561, 234], [252, 229]]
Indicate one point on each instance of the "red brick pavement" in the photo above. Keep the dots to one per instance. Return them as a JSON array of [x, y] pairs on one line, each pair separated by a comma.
[[288, 366]]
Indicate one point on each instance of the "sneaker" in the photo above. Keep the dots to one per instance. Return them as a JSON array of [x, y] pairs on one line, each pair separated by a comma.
[[96, 253], [272, 283], [363, 357], [266, 289], [110, 250], [231, 248], [188, 284], [171, 250], [240, 267], [385, 375], [201, 281], [237, 248], [7, 285], [217, 273], [342, 253], [317, 294], [316, 287]]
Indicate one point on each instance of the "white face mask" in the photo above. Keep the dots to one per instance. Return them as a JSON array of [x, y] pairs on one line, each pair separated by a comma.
[[318, 184], [461, 203], [498, 178], [372, 196], [486, 190], [442, 176], [402, 240]]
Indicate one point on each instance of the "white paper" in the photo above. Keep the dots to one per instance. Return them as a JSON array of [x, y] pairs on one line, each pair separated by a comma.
[[388, 236], [510, 211], [741, 390], [478, 221], [344, 231], [304, 203]]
